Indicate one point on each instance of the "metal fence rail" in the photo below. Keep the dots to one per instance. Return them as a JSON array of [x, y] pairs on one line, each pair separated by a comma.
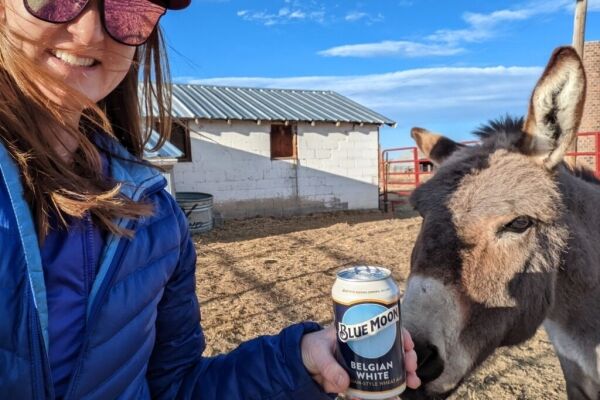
[[400, 182], [403, 169], [590, 141]]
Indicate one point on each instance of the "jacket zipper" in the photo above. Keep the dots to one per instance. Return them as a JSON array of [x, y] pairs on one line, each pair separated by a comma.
[[42, 377], [116, 265], [90, 262], [89, 273], [38, 386], [99, 300]]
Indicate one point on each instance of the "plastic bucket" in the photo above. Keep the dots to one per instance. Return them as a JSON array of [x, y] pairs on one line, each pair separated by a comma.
[[198, 208]]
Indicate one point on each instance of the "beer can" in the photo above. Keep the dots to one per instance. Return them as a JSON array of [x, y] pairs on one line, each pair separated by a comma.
[[369, 332]]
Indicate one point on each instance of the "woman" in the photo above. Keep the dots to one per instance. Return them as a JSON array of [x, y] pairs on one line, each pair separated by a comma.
[[97, 270]]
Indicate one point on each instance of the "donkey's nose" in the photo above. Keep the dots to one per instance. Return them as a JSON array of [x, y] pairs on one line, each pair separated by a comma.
[[430, 364]]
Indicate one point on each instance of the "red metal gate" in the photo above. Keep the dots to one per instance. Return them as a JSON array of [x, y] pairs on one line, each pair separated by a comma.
[[403, 169], [401, 173], [588, 151]]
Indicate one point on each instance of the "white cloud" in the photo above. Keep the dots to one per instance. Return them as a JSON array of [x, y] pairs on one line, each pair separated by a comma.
[[309, 10], [479, 27], [387, 48], [482, 27], [297, 15], [291, 11], [419, 96], [354, 16], [282, 16], [496, 17], [594, 5]]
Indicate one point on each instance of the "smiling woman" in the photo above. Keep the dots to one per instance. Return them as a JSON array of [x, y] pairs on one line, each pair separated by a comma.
[[89, 64], [97, 265], [61, 70]]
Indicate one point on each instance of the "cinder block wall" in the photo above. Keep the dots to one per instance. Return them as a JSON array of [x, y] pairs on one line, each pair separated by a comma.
[[591, 112], [336, 169]]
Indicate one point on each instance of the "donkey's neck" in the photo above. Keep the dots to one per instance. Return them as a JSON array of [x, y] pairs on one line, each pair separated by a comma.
[[573, 323], [582, 258]]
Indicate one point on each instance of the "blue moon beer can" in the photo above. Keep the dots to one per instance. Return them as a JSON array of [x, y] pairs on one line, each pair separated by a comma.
[[369, 336]]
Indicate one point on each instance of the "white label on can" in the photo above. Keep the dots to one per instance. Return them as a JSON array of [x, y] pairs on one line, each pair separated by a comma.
[[370, 327]]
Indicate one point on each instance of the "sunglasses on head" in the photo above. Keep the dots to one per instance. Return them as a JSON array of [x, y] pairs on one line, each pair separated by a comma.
[[129, 22]]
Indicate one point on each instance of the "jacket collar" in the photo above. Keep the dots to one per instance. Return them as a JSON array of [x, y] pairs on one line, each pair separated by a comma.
[[135, 175], [9, 173]]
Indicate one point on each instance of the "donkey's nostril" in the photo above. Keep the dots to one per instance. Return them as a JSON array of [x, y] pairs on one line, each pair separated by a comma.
[[430, 365]]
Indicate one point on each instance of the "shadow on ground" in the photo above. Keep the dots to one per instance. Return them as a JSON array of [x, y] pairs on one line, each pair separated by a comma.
[[259, 227]]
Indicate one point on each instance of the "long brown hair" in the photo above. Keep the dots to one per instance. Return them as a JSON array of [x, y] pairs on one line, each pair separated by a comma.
[[52, 185]]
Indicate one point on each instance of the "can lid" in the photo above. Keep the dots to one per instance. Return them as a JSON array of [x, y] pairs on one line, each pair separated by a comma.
[[364, 273]]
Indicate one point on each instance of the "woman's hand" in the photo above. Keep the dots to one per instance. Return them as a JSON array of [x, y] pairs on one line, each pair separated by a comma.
[[318, 357]]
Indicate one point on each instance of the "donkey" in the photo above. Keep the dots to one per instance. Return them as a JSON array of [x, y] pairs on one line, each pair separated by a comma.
[[509, 241]]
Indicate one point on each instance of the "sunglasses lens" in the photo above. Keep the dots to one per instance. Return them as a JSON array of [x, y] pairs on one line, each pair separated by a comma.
[[55, 11], [131, 22]]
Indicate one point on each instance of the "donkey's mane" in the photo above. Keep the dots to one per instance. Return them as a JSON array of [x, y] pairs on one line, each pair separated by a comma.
[[509, 130], [503, 126]]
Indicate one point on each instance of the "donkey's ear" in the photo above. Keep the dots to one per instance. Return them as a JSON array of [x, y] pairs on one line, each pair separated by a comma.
[[555, 108], [435, 147]]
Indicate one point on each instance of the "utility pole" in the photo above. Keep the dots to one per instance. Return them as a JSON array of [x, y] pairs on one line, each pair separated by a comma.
[[579, 26], [578, 44]]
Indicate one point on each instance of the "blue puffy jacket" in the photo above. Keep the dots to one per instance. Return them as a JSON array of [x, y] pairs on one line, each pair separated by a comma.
[[143, 337]]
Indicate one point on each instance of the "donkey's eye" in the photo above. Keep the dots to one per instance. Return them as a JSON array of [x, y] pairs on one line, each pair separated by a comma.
[[518, 225]]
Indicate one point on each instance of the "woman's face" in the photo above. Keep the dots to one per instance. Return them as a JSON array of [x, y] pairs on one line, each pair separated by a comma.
[[80, 52]]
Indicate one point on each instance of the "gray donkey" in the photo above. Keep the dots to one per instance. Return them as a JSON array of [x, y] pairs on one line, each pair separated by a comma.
[[509, 241]]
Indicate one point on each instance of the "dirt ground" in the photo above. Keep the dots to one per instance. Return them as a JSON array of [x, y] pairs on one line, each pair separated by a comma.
[[257, 276]]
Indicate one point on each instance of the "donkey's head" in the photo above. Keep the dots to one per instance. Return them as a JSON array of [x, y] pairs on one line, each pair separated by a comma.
[[484, 264]]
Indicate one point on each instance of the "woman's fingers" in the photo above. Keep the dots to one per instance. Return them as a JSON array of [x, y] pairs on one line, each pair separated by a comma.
[[407, 340], [412, 380], [410, 361], [317, 354]]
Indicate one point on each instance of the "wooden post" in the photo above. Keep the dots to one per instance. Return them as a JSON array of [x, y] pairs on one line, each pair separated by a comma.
[[578, 44], [579, 26]]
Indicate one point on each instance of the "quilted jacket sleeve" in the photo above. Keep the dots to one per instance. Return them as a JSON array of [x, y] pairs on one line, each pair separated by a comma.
[[266, 368]]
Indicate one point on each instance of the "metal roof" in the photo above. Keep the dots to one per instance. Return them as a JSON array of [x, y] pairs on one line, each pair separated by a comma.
[[168, 150], [237, 103]]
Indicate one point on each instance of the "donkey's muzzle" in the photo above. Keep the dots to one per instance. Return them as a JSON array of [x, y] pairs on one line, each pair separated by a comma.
[[430, 364]]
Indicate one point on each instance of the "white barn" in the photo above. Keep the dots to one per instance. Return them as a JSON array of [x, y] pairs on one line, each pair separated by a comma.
[[273, 152]]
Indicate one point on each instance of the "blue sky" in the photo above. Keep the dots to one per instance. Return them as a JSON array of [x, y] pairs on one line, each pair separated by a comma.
[[447, 65]]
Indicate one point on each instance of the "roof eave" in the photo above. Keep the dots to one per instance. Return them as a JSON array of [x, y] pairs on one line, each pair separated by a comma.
[[390, 123]]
